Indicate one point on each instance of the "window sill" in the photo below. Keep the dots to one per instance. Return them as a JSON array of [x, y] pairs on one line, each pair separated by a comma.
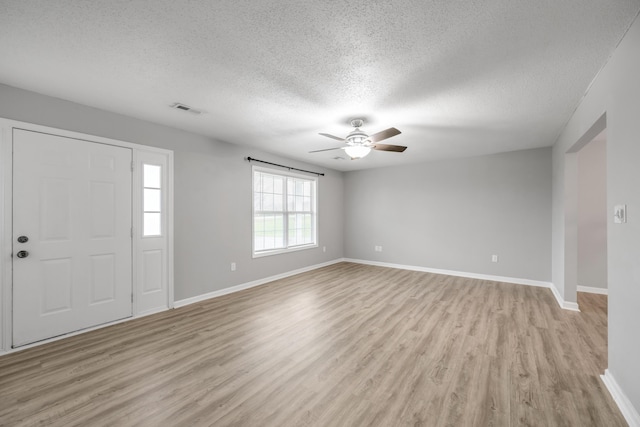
[[284, 251]]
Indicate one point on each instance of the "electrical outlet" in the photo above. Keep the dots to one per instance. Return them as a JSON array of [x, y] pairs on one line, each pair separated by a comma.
[[233, 266], [619, 214], [494, 258], [324, 249], [377, 248]]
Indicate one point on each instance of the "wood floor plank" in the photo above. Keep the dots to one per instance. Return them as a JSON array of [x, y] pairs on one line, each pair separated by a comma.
[[343, 345]]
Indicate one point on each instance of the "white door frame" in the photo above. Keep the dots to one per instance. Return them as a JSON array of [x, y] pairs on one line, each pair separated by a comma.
[[6, 225]]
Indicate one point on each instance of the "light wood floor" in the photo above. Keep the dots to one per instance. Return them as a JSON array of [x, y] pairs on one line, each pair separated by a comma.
[[343, 345]]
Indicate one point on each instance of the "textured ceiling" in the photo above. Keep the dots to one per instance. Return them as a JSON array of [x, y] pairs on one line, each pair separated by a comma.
[[458, 78]]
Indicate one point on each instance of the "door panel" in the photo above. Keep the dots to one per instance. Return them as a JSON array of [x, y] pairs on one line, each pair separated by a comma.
[[56, 286], [103, 279], [72, 199]]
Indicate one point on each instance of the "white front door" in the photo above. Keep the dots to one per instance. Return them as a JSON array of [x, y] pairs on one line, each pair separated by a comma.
[[72, 201]]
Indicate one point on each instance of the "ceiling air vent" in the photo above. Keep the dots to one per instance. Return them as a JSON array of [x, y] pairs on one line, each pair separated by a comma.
[[179, 106]]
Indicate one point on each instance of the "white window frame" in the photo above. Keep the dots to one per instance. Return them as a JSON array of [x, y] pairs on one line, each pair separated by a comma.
[[314, 203]]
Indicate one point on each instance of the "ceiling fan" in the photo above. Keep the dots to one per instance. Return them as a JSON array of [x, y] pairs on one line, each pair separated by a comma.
[[359, 144]]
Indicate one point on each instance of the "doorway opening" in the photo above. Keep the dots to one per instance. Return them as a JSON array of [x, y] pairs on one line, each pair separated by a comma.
[[592, 286], [586, 221]]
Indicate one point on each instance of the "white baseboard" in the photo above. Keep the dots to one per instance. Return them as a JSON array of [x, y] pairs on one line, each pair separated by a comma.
[[252, 284], [504, 279], [628, 411], [518, 281], [515, 280], [590, 290], [573, 306], [151, 311]]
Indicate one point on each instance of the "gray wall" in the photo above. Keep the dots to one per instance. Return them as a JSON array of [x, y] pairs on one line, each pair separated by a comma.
[[614, 94], [212, 194], [592, 215], [455, 214]]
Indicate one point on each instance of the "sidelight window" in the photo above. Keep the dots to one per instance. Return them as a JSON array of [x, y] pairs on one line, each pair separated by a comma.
[[152, 200]]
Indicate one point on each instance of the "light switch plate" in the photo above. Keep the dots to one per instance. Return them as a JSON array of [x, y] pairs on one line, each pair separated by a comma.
[[619, 214]]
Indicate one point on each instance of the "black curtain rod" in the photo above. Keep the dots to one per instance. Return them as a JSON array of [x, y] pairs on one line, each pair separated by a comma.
[[251, 159]]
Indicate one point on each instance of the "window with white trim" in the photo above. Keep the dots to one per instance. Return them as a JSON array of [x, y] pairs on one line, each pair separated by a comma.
[[152, 200], [284, 211]]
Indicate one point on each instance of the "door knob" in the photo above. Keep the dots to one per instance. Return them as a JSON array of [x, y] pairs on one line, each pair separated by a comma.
[[23, 239], [22, 254]]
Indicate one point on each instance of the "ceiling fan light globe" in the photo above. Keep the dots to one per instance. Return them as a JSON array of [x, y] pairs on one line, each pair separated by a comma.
[[357, 152]]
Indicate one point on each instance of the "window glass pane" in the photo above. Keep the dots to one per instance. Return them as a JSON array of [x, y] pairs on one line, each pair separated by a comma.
[[151, 176], [279, 226], [307, 188], [295, 230], [258, 224], [267, 184], [258, 243], [257, 180], [292, 236], [269, 226], [268, 231], [152, 224], [268, 242], [298, 237], [299, 188], [299, 203], [267, 202], [277, 202], [306, 204], [278, 185], [151, 200], [308, 229]]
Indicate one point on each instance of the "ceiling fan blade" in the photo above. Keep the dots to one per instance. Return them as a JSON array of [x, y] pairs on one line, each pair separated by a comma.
[[331, 136], [387, 147], [327, 149], [388, 133]]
